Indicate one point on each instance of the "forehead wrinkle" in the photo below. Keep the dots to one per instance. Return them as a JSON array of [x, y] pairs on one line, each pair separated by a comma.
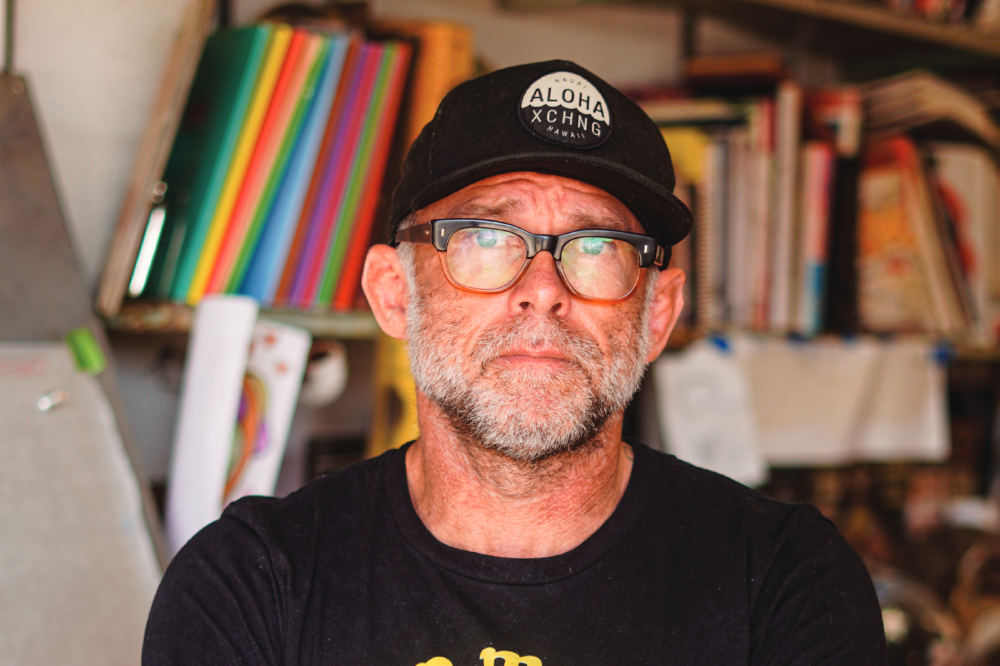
[[506, 207]]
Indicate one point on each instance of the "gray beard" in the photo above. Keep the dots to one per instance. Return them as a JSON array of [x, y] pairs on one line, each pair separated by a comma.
[[525, 414]]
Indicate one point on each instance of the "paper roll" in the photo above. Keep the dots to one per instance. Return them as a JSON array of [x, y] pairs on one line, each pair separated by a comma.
[[210, 397]]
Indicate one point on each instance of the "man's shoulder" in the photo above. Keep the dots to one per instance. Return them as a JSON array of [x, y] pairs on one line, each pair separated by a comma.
[[335, 503], [698, 499], [687, 482], [344, 485], [782, 554]]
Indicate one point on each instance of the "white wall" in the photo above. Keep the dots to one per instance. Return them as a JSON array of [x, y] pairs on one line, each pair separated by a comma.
[[622, 44], [93, 67]]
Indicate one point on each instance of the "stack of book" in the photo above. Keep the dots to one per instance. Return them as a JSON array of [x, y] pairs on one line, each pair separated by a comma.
[[928, 239], [808, 219], [924, 104], [929, 211], [762, 185], [273, 180]]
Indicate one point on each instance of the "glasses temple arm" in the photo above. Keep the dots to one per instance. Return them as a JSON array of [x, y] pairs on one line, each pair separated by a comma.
[[420, 233], [658, 259]]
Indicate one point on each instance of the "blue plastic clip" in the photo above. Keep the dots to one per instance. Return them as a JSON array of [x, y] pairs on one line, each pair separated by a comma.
[[943, 353], [721, 342]]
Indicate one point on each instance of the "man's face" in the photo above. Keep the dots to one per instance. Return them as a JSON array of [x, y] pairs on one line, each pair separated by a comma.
[[531, 371]]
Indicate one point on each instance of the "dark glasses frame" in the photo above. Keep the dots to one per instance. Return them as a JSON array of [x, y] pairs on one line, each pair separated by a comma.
[[439, 232]]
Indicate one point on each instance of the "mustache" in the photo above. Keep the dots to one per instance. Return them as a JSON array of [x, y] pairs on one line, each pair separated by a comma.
[[531, 331]]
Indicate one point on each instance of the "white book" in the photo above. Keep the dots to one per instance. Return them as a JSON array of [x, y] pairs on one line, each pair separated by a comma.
[[968, 175], [710, 240], [918, 97], [739, 285], [759, 204], [920, 207], [784, 231]]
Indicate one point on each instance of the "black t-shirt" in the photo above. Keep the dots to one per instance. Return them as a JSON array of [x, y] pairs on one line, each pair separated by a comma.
[[691, 568]]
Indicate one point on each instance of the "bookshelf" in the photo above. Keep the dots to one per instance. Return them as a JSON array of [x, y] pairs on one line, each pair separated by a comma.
[[841, 26], [347, 186], [869, 35]]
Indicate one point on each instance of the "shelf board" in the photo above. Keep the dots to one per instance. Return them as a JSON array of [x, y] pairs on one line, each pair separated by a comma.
[[876, 17], [164, 317], [868, 17], [167, 317], [957, 350]]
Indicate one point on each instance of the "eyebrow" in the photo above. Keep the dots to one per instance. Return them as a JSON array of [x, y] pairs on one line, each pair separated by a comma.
[[475, 209], [580, 219], [588, 221]]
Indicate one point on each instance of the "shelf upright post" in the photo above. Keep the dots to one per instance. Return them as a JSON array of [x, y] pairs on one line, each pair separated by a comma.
[[689, 27], [798, 47], [8, 40]]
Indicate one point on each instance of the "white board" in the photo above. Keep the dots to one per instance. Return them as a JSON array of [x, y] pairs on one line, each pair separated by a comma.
[[77, 566]]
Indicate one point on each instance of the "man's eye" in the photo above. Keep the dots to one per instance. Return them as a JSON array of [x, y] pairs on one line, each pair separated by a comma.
[[593, 245], [486, 238]]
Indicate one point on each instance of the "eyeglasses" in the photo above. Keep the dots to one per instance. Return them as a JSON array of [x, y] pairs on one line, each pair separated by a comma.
[[484, 256]]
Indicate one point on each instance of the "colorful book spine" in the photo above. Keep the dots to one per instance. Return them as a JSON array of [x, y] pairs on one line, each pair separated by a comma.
[[279, 112], [264, 272], [358, 179], [330, 141], [443, 59], [203, 148], [817, 181], [310, 134], [196, 268], [321, 227], [710, 235], [350, 277], [316, 50]]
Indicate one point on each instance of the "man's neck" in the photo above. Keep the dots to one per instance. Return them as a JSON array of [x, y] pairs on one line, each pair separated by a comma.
[[478, 500]]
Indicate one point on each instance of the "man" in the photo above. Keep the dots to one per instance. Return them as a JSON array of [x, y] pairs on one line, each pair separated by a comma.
[[532, 228]]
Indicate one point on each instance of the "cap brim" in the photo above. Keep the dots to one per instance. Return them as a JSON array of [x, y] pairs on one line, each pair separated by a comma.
[[663, 215]]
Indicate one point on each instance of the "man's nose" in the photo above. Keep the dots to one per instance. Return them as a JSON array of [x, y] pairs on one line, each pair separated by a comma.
[[540, 289]]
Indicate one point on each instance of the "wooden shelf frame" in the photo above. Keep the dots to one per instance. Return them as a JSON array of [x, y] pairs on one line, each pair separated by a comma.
[[143, 317], [878, 18], [866, 16], [169, 317]]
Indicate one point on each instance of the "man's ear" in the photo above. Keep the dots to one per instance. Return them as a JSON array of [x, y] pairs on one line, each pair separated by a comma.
[[668, 300], [384, 283]]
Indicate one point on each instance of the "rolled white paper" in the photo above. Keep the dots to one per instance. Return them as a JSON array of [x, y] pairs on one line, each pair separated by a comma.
[[210, 398]]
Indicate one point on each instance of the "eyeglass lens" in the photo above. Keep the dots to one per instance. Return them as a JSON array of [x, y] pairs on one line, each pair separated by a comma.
[[485, 258], [604, 268], [488, 259]]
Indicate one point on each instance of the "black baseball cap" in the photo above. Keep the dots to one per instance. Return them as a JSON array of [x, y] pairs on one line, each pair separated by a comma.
[[551, 117]]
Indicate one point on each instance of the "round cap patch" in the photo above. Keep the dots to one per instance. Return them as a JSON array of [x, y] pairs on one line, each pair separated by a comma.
[[565, 108]]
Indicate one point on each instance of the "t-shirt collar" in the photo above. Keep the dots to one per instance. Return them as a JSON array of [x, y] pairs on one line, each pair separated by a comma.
[[530, 571]]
